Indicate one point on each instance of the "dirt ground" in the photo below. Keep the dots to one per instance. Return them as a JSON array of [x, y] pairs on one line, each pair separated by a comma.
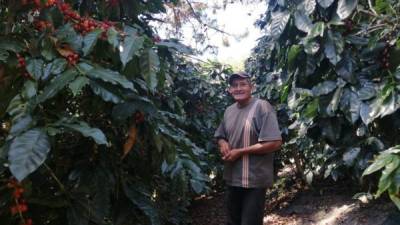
[[299, 205]]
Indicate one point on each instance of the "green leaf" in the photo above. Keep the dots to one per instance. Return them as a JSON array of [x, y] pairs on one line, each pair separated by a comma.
[[302, 22], [380, 162], [113, 37], [396, 200], [325, 3], [317, 30], [130, 47], [110, 76], [96, 134], [11, 44], [311, 110], [77, 85], [30, 89], [67, 34], [20, 124], [385, 180], [35, 68], [3, 55], [333, 105], [143, 202], [350, 156], [345, 68], [278, 23], [366, 92], [292, 55], [345, 8], [124, 110], [311, 47], [90, 40], [150, 65], [324, 88], [307, 6], [57, 84], [27, 152], [334, 45], [58, 65], [107, 93], [175, 45]]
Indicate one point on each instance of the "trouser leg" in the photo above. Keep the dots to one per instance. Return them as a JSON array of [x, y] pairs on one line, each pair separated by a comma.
[[234, 205], [253, 206]]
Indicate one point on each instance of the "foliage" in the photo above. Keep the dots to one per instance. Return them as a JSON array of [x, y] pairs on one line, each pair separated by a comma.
[[101, 121], [388, 161], [333, 68]]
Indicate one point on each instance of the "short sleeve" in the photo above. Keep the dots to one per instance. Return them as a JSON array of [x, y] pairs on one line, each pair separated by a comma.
[[220, 133], [269, 127]]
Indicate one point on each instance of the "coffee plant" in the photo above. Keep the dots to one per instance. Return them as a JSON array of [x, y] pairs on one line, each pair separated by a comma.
[[332, 66], [102, 121]]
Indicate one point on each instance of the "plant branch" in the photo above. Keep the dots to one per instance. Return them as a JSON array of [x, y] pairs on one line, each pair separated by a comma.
[[204, 24], [53, 175], [371, 7]]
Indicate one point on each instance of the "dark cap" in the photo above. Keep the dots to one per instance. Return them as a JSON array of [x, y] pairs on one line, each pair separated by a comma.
[[240, 75]]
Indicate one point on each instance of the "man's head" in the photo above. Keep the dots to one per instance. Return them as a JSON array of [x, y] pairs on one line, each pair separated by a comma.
[[240, 87]]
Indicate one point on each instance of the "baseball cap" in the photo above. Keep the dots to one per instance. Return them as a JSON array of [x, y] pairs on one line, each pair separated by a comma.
[[240, 74]]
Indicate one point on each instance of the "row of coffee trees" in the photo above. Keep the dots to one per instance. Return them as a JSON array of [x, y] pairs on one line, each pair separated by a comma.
[[102, 122], [332, 66]]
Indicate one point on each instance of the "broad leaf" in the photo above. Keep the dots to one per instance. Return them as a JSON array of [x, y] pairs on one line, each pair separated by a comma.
[[175, 46], [96, 134], [317, 30], [142, 200], [90, 40], [150, 65], [333, 47], [307, 6], [333, 105], [3, 55], [366, 92], [129, 47], [112, 37], [21, 124], [292, 55], [108, 94], [57, 84], [110, 76], [345, 68], [77, 85], [325, 3], [27, 152], [350, 155], [67, 34], [278, 23], [35, 68], [385, 180], [345, 8], [324, 88], [380, 162], [302, 22]]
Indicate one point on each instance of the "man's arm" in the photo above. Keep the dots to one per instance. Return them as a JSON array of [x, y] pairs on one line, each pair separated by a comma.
[[258, 148]]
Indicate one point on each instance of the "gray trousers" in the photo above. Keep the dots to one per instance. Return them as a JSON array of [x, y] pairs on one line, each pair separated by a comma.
[[245, 206]]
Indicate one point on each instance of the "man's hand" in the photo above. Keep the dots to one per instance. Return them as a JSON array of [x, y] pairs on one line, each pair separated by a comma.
[[232, 155], [224, 147]]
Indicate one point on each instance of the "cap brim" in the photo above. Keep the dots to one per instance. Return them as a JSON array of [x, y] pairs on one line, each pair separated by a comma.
[[236, 76]]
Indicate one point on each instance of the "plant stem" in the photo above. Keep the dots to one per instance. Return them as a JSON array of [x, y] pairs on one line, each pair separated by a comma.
[[53, 175]]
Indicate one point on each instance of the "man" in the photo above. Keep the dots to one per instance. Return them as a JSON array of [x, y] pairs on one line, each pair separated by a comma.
[[247, 138]]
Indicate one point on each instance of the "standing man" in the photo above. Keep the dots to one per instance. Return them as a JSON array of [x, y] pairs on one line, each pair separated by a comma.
[[247, 138]]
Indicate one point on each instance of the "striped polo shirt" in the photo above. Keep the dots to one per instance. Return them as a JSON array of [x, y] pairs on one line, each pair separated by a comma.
[[245, 126]]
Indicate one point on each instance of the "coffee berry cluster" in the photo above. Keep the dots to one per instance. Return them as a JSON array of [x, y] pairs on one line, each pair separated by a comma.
[[19, 205], [385, 57], [83, 25]]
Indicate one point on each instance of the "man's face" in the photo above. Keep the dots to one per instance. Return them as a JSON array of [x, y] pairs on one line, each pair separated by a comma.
[[240, 89]]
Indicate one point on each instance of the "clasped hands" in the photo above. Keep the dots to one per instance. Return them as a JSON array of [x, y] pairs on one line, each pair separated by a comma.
[[227, 153]]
